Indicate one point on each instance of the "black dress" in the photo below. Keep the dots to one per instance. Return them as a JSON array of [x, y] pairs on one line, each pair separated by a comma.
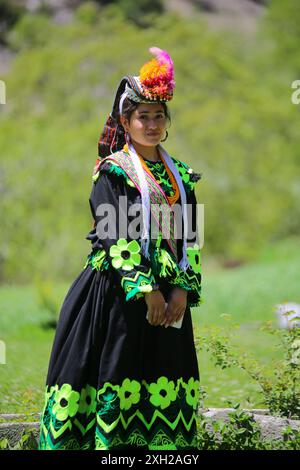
[[115, 381]]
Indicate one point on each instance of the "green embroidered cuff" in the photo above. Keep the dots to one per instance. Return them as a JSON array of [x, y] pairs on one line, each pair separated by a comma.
[[97, 260], [136, 286], [165, 267]]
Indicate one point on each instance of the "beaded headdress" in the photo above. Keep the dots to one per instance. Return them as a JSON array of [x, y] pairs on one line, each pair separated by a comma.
[[155, 83]]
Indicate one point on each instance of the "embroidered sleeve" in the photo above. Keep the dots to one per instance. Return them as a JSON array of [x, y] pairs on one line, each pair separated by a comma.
[[190, 279], [166, 267], [121, 251]]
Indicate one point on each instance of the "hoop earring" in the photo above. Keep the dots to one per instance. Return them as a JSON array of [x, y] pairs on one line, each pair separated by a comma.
[[165, 137], [127, 137]]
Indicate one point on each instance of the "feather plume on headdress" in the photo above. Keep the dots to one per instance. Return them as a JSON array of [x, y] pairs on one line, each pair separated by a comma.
[[157, 76]]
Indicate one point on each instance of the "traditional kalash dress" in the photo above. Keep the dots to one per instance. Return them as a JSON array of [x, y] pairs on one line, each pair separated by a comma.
[[114, 380]]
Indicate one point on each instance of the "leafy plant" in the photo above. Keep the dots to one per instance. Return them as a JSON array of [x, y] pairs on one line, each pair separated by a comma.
[[27, 441], [280, 386], [241, 432]]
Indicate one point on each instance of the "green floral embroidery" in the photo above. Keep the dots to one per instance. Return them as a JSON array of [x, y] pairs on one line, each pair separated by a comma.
[[168, 266], [87, 403], [129, 393], [98, 259], [108, 393], [192, 392], [125, 255], [162, 392], [113, 168], [66, 403], [152, 423], [184, 175], [189, 177], [194, 257], [49, 394]]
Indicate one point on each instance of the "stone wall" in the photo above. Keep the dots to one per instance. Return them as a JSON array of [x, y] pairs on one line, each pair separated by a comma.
[[12, 426]]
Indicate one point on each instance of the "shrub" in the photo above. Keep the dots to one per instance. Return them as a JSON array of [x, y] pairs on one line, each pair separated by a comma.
[[280, 383]]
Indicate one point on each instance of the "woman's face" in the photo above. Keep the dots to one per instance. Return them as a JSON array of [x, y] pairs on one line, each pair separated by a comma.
[[147, 124]]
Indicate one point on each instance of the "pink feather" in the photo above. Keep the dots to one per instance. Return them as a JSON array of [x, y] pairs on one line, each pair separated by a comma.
[[164, 58]]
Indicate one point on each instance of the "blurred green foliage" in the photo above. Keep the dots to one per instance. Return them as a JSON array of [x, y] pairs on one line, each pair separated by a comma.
[[232, 120], [141, 12], [9, 15]]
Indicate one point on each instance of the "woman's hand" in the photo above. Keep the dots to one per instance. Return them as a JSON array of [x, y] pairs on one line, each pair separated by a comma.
[[176, 306], [156, 306]]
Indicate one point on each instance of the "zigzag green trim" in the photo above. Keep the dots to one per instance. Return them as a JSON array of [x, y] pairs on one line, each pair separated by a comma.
[[140, 283], [57, 433], [83, 429], [134, 287], [133, 413], [137, 414]]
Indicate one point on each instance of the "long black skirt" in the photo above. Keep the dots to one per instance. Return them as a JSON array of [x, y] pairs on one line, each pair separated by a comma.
[[115, 381]]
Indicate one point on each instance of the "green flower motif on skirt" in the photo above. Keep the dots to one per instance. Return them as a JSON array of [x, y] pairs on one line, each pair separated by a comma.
[[49, 394], [192, 392], [108, 393], [129, 393], [125, 255], [194, 257], [162, 392], [66, 402], [87, 403]]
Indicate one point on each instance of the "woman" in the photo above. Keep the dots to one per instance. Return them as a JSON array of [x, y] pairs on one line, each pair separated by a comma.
[[123, 372]]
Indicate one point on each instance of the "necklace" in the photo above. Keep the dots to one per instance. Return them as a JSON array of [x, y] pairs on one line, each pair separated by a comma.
[[176, 191]]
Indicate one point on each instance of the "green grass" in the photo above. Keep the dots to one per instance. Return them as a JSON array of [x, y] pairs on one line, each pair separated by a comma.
[[248, 293]]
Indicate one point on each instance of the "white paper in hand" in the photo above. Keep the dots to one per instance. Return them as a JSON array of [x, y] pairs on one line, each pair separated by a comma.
[[176, 324]]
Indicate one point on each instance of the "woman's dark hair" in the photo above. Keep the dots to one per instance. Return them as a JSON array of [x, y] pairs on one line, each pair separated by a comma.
[[130, 106]]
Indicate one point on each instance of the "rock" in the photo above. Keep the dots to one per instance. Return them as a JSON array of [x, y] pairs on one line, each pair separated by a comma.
[[14, 431], [271, 426], [287, 314]]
